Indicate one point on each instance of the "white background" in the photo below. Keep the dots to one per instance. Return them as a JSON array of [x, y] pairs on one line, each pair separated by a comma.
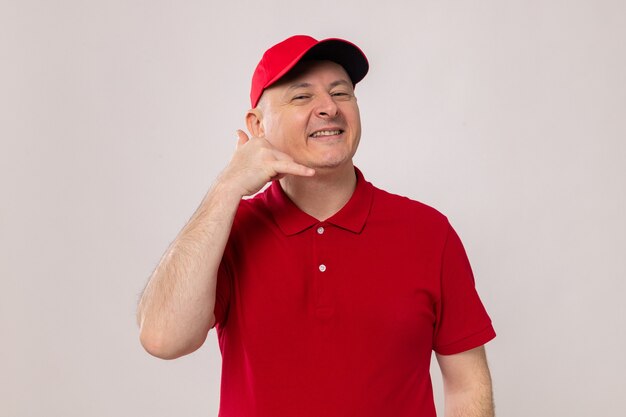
[[116, 116]]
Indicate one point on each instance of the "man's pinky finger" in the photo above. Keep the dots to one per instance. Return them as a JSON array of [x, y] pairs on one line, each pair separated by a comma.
[[293, 168]]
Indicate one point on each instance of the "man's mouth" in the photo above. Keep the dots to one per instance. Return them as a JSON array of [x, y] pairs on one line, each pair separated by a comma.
[[322, 133]]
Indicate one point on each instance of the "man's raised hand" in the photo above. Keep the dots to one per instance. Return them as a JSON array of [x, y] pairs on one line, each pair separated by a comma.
[[255, 163]]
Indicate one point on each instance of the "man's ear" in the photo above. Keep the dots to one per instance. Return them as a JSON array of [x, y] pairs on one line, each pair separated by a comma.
[[254, 122]]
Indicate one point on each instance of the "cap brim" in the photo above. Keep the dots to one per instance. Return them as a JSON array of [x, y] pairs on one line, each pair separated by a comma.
[[345, 53]]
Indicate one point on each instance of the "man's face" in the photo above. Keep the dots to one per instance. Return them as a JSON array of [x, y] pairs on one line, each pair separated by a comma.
[[313, 115]]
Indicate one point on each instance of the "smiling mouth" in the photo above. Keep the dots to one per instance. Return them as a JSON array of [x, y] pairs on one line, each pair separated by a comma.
[[322, 133]]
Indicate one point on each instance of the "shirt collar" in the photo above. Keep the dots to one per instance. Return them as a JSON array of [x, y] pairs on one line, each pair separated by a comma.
[[291, 220]]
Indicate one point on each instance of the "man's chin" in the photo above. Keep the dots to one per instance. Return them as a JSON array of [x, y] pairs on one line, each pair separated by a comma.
[[330, 165]]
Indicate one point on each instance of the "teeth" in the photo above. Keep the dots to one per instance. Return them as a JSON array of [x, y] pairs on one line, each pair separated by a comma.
[[326, 133]]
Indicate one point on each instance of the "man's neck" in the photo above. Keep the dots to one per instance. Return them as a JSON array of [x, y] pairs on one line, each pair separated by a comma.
[[324, 194]]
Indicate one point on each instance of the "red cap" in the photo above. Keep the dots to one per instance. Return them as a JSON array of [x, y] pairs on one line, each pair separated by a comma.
[[283, 56]]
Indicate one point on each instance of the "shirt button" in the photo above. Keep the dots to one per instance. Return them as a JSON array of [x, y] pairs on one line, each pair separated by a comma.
[[320, 230], [322, 268]]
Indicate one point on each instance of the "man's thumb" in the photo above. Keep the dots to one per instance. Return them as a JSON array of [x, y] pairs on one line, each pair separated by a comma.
[[242, 138]]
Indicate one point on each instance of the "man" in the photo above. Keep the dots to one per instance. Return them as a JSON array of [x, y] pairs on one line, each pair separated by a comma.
[[328, 295]]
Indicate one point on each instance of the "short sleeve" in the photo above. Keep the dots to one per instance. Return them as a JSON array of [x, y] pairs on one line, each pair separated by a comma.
[[222, 293], [462, 323]]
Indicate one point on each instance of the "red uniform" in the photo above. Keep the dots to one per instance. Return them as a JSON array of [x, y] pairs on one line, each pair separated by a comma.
[[339, 318]]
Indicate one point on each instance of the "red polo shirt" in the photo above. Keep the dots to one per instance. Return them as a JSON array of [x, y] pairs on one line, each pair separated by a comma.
[[339, 318]]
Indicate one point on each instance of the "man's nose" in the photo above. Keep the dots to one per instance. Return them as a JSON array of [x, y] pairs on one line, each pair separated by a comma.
[[326, 106]]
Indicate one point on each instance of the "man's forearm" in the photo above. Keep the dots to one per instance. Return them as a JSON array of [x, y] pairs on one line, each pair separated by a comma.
[[176, 308]]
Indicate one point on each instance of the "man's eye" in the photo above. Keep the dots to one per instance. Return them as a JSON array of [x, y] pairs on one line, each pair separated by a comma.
[[340, 94], [300, 97]]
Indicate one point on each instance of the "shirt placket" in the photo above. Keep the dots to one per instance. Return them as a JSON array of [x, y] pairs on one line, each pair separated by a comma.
[[323, 273]]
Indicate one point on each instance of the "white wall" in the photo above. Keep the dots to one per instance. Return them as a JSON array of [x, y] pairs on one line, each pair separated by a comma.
[[115, 116]]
